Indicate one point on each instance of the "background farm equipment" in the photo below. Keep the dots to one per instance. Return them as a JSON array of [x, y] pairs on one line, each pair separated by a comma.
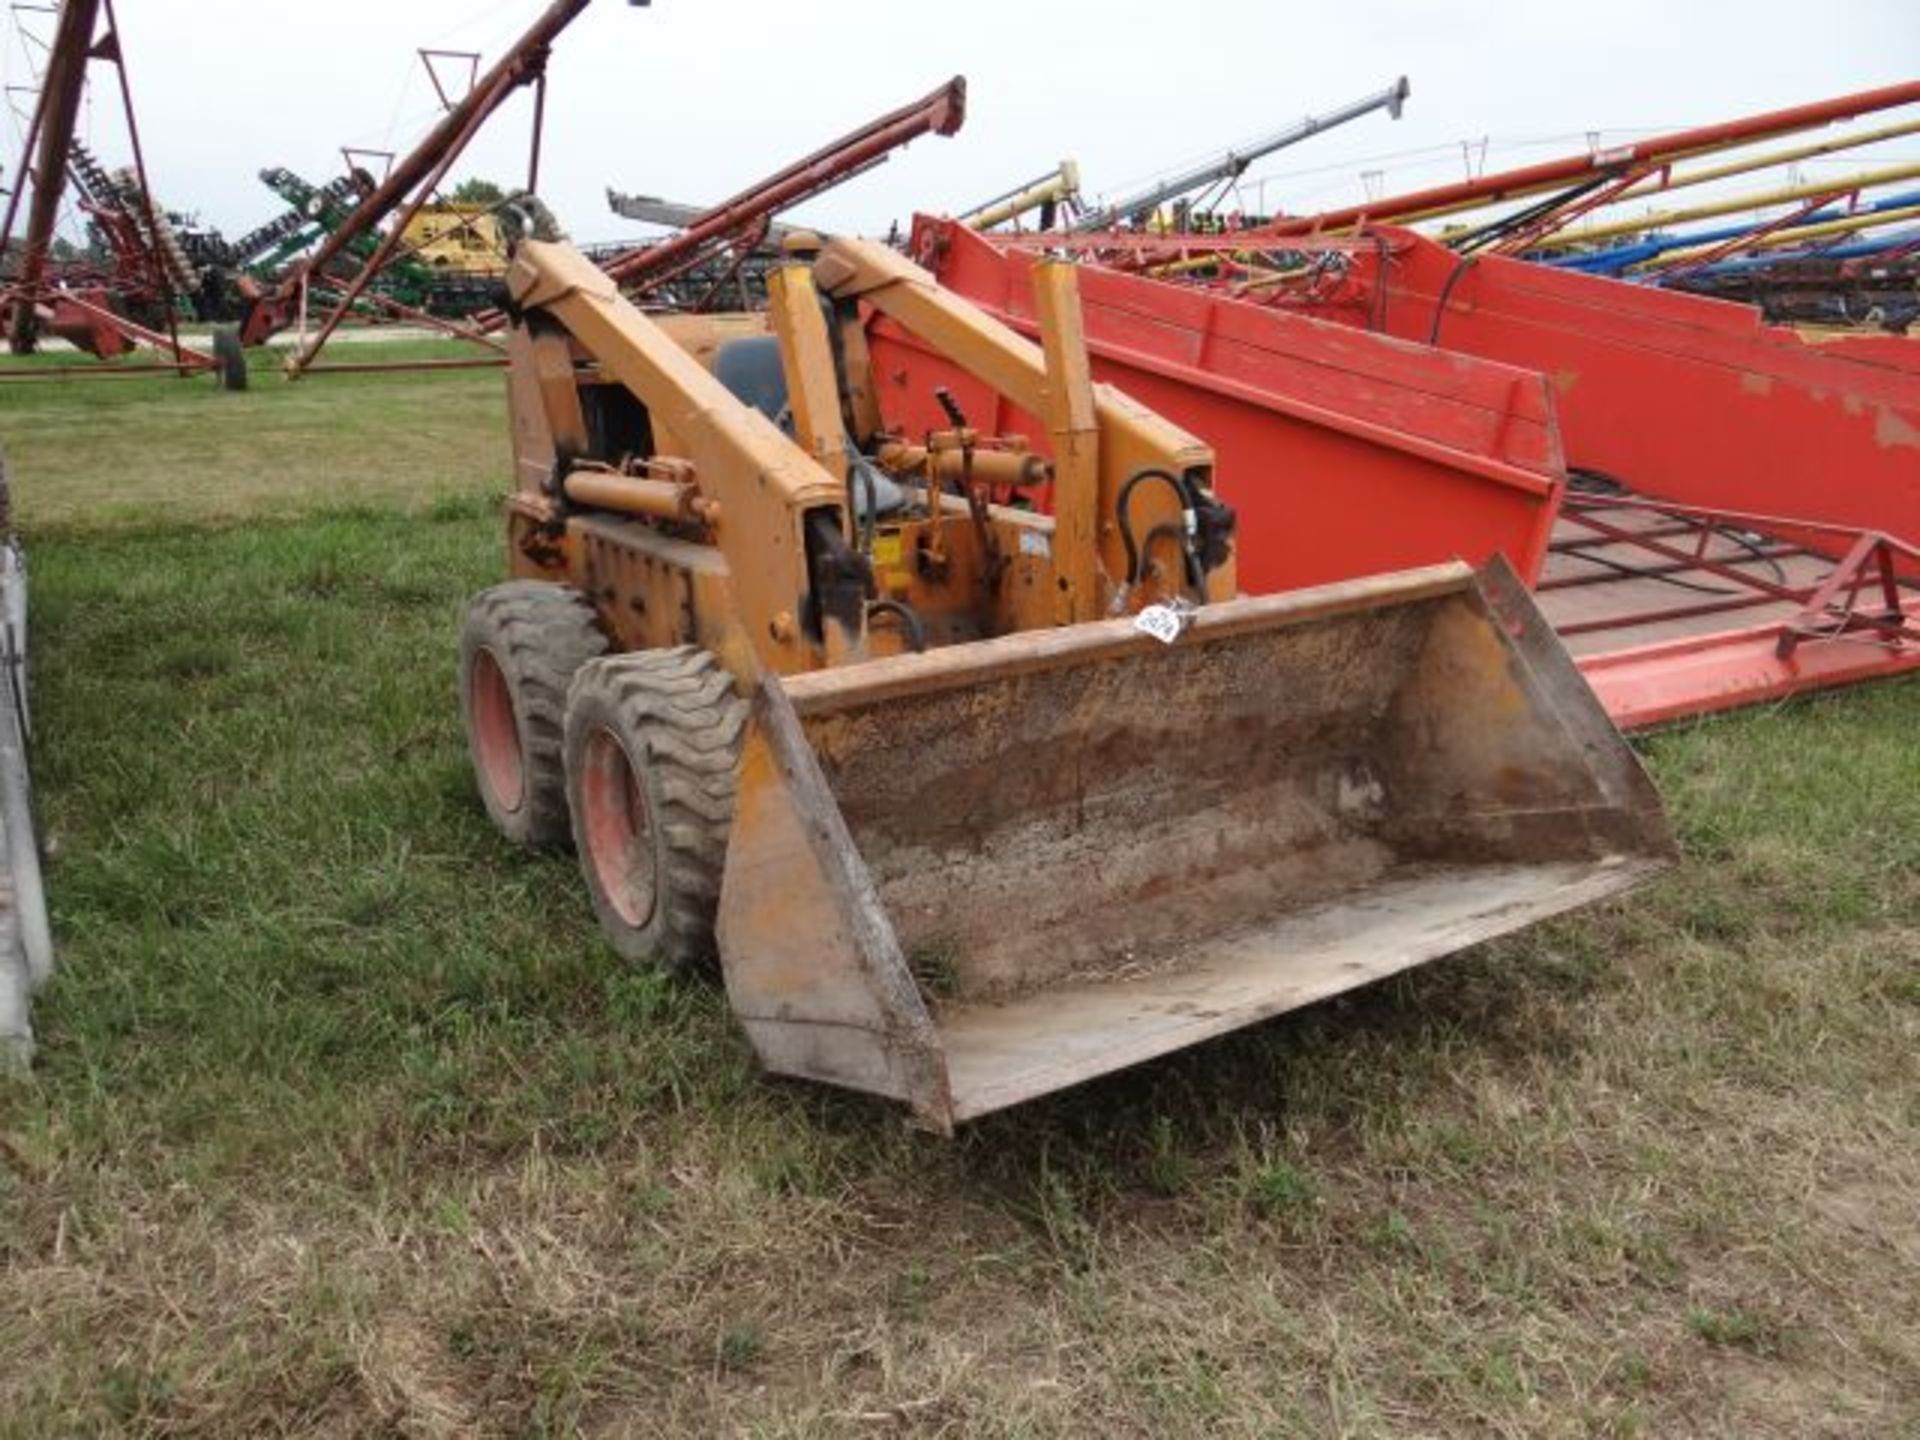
[[135, 241], [1557, 213], [85, 305], [449, 264], [1701, 555], [1054, 196], [1729, 418], [354, 254], [704, 266], [1871, 286], [1141, 207]]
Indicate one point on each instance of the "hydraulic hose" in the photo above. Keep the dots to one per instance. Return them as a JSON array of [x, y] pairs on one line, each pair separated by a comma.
[[1174, 530], [909, 619], [1188, 504]]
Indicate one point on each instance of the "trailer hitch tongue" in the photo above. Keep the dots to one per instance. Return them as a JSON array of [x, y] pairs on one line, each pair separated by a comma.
[[970, 877]]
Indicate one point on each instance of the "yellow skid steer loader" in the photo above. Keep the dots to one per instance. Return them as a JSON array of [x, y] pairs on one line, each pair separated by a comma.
[[973, 802]]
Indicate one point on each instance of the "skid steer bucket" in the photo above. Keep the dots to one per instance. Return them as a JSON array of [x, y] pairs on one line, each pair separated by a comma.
[[977, 875]]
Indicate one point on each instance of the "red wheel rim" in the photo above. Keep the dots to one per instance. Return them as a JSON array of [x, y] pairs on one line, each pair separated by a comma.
[[613, 812], [496, 735]]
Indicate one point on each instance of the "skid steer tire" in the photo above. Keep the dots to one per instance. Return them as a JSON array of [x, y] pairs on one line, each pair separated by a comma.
[[519, 649], [653, 749]]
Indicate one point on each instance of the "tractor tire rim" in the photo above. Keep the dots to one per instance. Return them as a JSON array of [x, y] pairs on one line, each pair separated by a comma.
[[619, 837], [496, 734]]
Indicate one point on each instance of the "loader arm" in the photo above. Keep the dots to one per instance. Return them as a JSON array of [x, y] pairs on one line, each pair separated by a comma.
[[769, 505], [1102, 439]]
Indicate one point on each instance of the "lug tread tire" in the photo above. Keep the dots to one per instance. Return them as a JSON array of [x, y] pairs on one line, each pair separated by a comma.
[[540, 632], [678, 713]]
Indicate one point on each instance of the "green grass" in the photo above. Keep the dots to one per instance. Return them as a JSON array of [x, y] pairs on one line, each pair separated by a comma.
[[139, 451], [345, 1122]]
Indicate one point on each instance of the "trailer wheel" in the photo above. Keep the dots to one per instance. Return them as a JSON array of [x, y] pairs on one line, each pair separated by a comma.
[[232, 358], [519, 648], [653, 743]]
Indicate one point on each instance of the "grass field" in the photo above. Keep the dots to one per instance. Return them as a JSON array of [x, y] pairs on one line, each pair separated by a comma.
[[346, 1124], [127, 452]]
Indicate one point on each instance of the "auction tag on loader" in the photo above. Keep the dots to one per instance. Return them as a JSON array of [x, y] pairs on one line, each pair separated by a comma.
[[1162, 622]]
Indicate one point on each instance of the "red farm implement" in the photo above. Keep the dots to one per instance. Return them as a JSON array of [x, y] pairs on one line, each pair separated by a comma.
[[1692, 400], [1344, 453], [83, 305], [1674, 610], [1742, 490]]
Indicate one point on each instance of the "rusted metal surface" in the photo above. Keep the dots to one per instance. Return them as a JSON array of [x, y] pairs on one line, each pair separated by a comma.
[[710, 255], [766, 484], [86, 321], [964, 565], [970, 877]]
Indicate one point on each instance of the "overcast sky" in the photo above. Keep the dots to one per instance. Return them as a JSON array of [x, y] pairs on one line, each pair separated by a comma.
[[694, 99]]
